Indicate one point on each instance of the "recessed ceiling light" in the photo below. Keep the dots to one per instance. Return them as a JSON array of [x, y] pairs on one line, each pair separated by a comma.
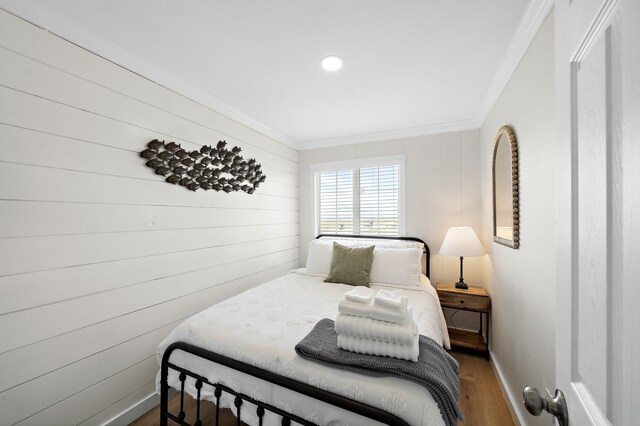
[[331, 63]]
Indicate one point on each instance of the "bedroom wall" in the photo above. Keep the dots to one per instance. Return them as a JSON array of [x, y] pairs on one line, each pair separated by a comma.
[[100, 258], [522, 282], [442, 181]]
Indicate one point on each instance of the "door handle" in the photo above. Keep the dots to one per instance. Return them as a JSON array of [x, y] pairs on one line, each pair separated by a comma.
[[556, 406]]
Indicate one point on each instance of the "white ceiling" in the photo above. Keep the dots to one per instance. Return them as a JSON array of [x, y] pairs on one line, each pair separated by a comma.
[[408, 64]]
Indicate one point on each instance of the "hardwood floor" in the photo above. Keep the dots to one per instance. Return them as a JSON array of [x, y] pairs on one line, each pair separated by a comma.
[[481, 399]]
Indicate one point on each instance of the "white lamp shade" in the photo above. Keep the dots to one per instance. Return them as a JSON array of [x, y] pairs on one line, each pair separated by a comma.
[[462, 241]]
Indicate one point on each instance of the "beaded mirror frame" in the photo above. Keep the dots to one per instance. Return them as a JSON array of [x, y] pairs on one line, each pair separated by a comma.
[[510, 135]]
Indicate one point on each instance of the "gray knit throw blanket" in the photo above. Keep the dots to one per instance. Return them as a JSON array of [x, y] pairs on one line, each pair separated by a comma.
[[436, 370]]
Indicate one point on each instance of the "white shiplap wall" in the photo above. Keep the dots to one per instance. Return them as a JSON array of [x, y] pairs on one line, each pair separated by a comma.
[[100, 257]]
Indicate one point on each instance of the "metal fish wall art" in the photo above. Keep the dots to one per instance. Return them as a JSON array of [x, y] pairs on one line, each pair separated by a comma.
[[216, 168]]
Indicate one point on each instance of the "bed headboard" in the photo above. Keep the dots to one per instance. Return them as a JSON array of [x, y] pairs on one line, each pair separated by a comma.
[[425, 249]]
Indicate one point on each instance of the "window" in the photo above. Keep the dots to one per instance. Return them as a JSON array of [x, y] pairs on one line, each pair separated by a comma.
[[359, 197]]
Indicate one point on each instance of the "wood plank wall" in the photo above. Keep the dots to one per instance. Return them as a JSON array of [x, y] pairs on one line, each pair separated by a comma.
[[100, 257]]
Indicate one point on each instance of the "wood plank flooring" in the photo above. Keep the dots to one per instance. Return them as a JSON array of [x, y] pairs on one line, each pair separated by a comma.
[[481, 399]]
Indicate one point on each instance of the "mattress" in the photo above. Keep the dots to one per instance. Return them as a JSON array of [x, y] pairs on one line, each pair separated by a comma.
[[262, 326]]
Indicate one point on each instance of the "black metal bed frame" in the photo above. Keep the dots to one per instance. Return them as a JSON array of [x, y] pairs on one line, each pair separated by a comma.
[[331, 398]]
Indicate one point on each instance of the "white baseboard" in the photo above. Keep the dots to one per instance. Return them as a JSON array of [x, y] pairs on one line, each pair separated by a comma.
[[135, 411], [513, 404]]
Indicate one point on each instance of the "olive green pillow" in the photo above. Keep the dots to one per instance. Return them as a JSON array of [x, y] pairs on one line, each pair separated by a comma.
[[350, 265]]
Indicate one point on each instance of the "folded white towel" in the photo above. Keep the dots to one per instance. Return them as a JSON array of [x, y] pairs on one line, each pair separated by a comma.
[[392, 315], [376, 312], [378, 347], [353, 326], [359, 294], [354, 308], [390, 299]]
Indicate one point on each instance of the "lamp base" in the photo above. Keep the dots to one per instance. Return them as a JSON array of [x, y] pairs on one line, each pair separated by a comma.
[[461, 284]]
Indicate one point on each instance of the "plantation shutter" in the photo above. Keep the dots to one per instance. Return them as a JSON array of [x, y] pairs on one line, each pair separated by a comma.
[[335, 202], [363, 201], [379, 201]]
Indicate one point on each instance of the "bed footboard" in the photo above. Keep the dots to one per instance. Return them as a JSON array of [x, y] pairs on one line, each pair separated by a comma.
[[364, 410]]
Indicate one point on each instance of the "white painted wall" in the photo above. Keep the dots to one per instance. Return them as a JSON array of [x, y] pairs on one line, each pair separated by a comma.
[[442, 190], [522, 282], [99, 257]]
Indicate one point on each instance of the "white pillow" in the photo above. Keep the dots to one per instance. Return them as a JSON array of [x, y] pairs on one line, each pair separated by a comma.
[[400, 266], [379, 243], [321, 251], [319, 257]]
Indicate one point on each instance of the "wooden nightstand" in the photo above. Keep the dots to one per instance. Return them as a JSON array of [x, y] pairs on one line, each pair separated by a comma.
[[474, 299]]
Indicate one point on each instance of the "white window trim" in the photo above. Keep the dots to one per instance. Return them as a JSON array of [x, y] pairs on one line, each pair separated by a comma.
[[359, 164]]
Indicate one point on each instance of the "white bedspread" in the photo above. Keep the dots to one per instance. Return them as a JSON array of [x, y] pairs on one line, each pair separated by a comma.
[[262, 326]]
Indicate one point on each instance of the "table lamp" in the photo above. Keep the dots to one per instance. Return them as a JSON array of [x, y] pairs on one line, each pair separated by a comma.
[[461, 241]]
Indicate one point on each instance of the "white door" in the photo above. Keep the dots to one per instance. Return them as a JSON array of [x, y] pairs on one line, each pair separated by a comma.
[[598, 210]]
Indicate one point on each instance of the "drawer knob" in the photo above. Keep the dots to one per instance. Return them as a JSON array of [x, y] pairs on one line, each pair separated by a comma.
[[462, 301]]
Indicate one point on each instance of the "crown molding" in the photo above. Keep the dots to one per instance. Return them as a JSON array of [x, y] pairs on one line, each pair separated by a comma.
[[453, 126], [532, 19], [70, 30], [73, 32]]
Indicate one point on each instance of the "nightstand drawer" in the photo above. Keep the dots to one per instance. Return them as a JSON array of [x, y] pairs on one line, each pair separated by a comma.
[[464, 301]]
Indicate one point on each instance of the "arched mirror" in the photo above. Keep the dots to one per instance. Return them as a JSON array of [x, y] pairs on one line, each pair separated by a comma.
[[505, 189]]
